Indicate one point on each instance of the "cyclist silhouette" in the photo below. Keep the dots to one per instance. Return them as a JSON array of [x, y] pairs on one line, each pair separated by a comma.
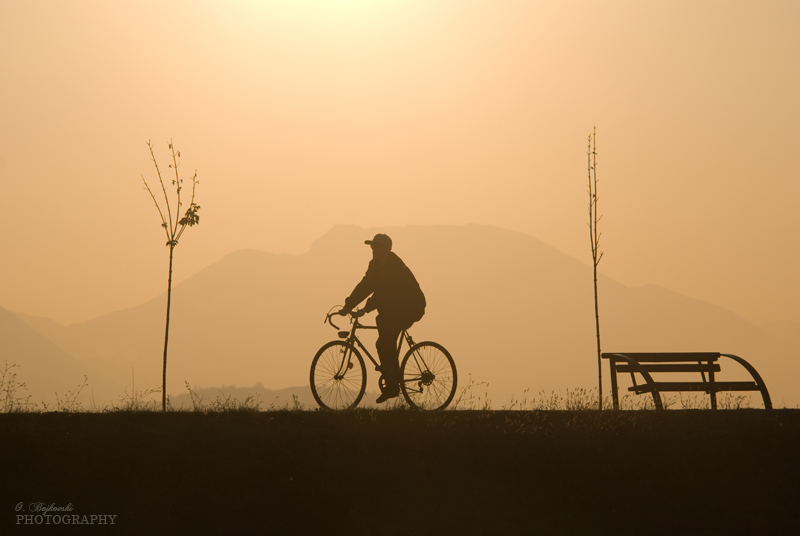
[[399, 301]]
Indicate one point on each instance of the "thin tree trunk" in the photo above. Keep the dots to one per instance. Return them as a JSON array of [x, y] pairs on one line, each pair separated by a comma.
[[596, 262], [166, 334], [594, 237], [597, 329]]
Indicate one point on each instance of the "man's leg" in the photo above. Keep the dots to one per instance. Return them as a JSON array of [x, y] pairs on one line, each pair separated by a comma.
[[388, 332]]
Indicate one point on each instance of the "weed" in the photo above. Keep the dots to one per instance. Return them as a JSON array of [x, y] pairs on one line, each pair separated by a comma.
[[197, 399], [137, 400], [702, 401], [9, 388], [469, 400], [296, 405], [226, 403], [69, 404]]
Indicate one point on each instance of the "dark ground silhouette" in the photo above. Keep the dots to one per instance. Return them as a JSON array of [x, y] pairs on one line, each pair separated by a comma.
[[456, 472]]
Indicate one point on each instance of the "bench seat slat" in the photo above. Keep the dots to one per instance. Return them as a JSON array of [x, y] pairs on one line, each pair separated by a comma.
[[695, 386], [676, 357], [705, 367]]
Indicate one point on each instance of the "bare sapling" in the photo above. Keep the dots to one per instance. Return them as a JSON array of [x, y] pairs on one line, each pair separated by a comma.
[[173, 228], [594, 237]]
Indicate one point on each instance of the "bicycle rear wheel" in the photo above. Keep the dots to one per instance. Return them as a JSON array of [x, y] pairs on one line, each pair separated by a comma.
[[429, 376], [338, 376]]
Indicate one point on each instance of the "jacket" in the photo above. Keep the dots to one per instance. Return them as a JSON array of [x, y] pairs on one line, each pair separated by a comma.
[[394, 289]]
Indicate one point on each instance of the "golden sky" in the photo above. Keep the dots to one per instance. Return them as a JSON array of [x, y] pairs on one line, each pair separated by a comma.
[[302, 114]]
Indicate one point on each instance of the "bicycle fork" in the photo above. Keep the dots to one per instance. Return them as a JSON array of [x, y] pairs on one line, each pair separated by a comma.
[[346, 363]]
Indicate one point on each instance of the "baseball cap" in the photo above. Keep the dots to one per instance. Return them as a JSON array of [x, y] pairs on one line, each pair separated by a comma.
[[380, 240]]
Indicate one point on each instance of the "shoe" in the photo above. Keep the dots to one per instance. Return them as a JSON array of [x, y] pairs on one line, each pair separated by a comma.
[[386, 395]]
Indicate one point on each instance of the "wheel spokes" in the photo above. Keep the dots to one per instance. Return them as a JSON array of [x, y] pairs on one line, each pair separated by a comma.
[[429, 377], [338, 377]]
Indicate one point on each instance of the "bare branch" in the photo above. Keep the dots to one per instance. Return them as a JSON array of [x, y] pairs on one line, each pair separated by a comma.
[[195, 182], [163, 189], [191, 217], [177, 181], [161, 214]]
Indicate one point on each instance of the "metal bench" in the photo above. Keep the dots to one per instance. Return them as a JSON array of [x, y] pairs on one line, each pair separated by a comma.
[[705, 363]]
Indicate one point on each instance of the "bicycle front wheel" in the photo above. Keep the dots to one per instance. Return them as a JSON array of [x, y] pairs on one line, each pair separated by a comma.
[[338, 376], [429, 376]]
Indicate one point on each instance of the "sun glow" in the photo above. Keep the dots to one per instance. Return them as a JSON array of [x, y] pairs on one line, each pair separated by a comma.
[[354, 11]]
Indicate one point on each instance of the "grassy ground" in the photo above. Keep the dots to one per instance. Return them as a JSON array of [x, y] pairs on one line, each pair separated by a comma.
[[404, 472]]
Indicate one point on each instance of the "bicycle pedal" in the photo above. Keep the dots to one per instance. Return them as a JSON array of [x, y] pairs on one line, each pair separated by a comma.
[[350, 365]]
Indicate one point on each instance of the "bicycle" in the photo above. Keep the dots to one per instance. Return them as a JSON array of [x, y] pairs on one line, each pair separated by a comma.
[[339, 378]]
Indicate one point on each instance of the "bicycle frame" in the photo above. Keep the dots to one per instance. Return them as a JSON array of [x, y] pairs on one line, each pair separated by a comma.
[[353, 339], [339, 370]]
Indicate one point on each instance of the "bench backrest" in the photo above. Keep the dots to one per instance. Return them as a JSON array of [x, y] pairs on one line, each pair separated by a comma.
[[676, 357], [701, 362]]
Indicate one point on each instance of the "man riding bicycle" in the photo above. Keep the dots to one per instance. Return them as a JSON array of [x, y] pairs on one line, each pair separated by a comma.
[[399, 301]]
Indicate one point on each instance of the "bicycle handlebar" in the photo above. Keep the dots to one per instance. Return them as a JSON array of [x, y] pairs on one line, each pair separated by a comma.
[[329, 321], [355, 315]]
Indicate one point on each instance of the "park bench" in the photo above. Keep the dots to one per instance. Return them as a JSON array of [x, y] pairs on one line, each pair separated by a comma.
[[704, 363]]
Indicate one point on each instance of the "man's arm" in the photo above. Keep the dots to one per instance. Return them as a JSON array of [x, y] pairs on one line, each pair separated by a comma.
[[371, 305], [364, 288]]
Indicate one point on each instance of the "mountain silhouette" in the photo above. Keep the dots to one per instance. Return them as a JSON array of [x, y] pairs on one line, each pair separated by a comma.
[[48, 372], [514, 313]]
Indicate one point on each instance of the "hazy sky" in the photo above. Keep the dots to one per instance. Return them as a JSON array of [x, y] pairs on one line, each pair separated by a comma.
[[302, 114]]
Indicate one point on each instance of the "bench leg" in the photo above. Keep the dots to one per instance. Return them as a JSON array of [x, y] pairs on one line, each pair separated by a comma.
[[713, 393], [756, 376], [657, 399], [613, 375]]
